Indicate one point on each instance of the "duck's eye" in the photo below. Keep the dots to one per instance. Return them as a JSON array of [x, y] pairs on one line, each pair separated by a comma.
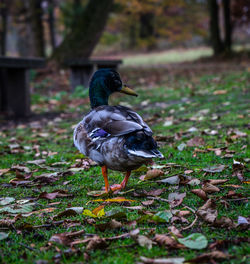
[[117, 83]]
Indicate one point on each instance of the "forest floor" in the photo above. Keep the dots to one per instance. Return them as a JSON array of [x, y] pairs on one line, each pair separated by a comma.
[[190, 207]]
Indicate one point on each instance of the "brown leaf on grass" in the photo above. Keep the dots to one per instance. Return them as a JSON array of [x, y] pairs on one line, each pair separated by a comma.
[[195, 142], [176, 199], [19, 182], [210, 188], [208, 257], [167, 241], [6, 200], [175, 231], [3, 171], [225, 222], [179, 219], [188, 171], [54, 194], [216, 182], [144, 241], [96, 210], [36, 162], [8, 222], [171, 180], [47, 177], [210, 215], [148, 202], [63, 255], [21, 168], [96, 242], [66, 238], [182, 213], [115, 200], [111, 225], [217, 92], [21, 179], [207, 212], [151, 174], [200, 193], [138, 207], [162, 260], [69, 212], [156, 192], [214, 169], [238, 170], [233, 194], [40, 212]]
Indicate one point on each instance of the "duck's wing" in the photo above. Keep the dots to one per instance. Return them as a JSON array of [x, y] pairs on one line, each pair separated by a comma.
[[115, 120]]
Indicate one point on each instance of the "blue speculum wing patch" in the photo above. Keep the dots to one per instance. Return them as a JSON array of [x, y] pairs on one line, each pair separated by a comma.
[[99, 133]]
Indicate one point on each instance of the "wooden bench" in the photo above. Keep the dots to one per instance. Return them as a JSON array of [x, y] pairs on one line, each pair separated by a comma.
[[14, 84], [81, 70]]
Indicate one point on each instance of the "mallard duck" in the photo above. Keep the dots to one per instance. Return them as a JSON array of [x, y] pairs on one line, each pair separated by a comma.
[[115, 137]]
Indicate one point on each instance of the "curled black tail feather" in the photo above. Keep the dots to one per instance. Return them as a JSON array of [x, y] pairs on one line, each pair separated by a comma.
[[138, 140]]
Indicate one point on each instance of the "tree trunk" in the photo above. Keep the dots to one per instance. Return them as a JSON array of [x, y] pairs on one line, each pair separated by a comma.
[[3, 26], [216, 42], [132, 33], [51, 22], [84, 36], [146, 25], [37, 27], [227, 26]]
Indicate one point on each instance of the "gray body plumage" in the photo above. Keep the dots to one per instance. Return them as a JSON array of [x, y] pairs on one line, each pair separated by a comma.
[[110, 149]]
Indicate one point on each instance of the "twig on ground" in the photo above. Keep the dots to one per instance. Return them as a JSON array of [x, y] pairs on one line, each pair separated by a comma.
[[238, 199], [158, 199], [193, 223], [124, 246], [28, 247]]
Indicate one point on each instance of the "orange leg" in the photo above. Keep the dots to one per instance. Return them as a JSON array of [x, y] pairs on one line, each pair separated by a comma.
[[123, 184], [105, 176]]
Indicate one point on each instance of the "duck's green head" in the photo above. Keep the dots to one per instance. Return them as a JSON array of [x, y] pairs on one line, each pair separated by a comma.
[[103, 83]]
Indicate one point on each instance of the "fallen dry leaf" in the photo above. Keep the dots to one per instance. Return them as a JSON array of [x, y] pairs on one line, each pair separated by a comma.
[[3, 171], [144, 241], [175, 231], [217, 92], [21, 168], [69, 212], [171, 180], [96, 242], [66, 238], [238, 170], [111, 225], [195, 142], [151, 174], [210, 188], [225, 222], [167, 241], [200, 193], [214, 169], [207, 257], [176, 199], [207, 212], [216, 182], [148, 202], [156, 192], [114, 200], [54, 194], [162, 260]]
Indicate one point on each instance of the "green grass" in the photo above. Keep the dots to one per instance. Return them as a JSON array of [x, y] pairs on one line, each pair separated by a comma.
[[171, 56], [190, 103]]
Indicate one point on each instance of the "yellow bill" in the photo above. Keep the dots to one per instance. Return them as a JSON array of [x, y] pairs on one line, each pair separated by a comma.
[[126, 90]]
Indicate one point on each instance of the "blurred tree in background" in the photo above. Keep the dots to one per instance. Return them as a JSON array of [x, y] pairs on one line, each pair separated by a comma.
[[72, 28]]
